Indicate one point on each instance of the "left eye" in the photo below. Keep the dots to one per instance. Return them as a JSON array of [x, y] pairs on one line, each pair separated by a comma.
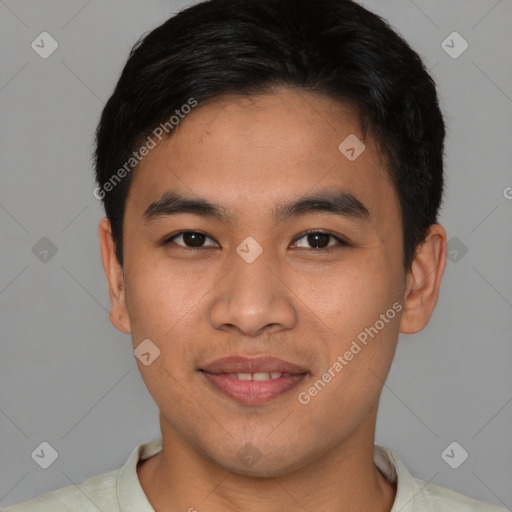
[[319, 240]]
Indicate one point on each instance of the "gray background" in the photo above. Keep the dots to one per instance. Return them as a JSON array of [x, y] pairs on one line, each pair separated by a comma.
[[69, 378]]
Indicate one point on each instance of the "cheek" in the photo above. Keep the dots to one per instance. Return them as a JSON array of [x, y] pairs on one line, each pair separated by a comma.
[[159, 297], [351, 297], [363, 335], [161, 307], [362, 307]]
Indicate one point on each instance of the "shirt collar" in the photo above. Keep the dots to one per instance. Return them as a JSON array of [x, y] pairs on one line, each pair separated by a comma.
[[130, 495], [390, 465]]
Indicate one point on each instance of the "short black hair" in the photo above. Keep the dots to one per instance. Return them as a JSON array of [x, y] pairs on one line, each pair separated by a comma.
[[335, 48]]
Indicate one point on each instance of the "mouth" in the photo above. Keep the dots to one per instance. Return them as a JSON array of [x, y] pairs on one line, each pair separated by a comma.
[[253, 381]]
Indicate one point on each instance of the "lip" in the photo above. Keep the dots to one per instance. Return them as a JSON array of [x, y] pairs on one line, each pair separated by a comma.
[[220, 374], [239, 364]]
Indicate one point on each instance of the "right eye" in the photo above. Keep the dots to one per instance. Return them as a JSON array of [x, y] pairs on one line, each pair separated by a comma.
[[190, 240]]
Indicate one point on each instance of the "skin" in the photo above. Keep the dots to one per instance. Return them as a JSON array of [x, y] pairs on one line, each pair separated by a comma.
[[295, 301]]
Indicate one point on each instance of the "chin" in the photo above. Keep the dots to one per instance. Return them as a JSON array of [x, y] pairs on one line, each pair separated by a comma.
[[251, 462], [261, 470]]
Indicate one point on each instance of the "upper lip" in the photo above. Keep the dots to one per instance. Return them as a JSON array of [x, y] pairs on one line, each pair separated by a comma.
[[238, 364]]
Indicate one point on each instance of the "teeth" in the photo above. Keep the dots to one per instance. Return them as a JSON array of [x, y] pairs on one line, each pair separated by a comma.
[[260, 376], [257, 376]]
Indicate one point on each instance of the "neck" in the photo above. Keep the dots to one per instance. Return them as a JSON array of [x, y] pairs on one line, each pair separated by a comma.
[[179, 478]]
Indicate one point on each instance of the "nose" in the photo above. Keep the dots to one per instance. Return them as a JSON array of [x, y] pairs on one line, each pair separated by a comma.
[[254, 298]]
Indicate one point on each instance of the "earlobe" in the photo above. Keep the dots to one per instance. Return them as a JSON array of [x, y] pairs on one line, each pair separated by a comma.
[[423, 281], [114, 274]]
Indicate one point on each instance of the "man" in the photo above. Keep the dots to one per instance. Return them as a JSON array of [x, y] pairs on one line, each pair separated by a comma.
[[272, 172]]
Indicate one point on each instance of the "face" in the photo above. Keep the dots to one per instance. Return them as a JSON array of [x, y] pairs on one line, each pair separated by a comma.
[[276, 301]]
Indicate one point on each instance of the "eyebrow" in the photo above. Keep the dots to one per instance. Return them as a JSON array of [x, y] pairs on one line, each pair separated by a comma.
[[337, 202]]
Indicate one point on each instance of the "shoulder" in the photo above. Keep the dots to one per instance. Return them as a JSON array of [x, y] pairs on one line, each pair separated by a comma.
[[416, 495], [97, 492], [100, 492], [434, 498]]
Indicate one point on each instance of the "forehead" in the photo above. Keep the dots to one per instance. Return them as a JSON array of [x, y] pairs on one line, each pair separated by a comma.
[[252, 152]]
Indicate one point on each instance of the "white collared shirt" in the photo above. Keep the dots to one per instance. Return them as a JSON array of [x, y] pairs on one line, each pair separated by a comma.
[[120, 490]]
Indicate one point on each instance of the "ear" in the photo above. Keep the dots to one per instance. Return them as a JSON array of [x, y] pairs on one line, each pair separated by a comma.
[[115, 278], [423, 281]]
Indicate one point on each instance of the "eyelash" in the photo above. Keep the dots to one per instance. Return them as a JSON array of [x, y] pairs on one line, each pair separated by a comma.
[[341, 242]]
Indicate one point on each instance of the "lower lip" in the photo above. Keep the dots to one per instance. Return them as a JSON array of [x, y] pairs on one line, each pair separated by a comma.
[[252, 392]]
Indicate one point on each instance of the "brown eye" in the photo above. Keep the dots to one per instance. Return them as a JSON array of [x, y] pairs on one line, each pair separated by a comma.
[[319, 240], [190, 239]]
